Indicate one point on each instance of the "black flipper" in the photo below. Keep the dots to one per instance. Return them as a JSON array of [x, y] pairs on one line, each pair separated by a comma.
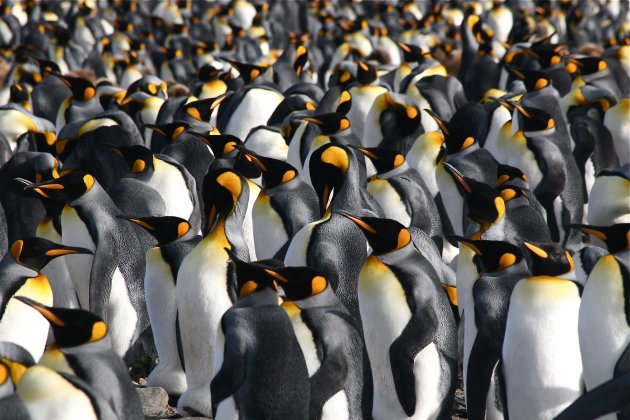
[[481, 362], [417, 334], [609, 397], [101, 275], [327, 381], [232, 372]]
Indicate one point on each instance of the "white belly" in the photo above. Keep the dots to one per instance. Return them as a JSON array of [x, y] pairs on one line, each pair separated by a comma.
[[75, 233], [269, 233], [452, 199], [541, 352], [604, 331], [248, 228], [363, 98], [47, 396], [296, 252], [336, 408], [254, 109], [202, 300], [14, 124], [121, 316], [390, 201], [171, 185]]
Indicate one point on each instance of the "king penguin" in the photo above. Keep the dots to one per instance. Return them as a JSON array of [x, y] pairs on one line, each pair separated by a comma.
[[340, 374], [541, 344], [84, 348], [175, 240], [20, 270], [257, 343], [410, 330]]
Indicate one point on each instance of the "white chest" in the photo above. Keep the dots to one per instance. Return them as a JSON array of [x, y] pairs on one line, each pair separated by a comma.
[[75, 233]]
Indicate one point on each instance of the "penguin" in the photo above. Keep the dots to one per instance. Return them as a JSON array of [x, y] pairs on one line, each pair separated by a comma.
[[84, 349], [615, 121], [503, 266], [205, 286], [108, 283], [21, 273], [340, 375], [82, 104], [321, 244], [267, 141], [607, 204], [402, 193], [16, 121], [16, 360], [175, 240], [172, 181], [248, 108], [541, 343], [363, 96], [283, 207], [257, 342], [410, 330], [604, 317]]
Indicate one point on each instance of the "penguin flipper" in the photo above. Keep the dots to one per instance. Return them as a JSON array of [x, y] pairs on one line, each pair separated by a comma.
[[101, 274], [327, 381], [402, 353], [609, 397], [482, 360], [232, 372]]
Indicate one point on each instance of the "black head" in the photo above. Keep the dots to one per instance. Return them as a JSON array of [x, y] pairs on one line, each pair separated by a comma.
[[301, 57], [250, 277], [507, 173], [46, 67], [328, 167], [35, 253], [536, 80], [274, 171], [493, 255], [220, 144], [586, 65], [202, 109], [165, 229], [299, 282], [171, 130], [72, 327], [616, 237], [66, 188], [383, 235], [384, 160], [411, 53], [366, 73], [139, 158], [508, 192], [344, 104], [248, 72], [82, 89], [16, 359], [329, 124], [534, 119], [221, 190], [19, 93], [548, 259], [485, 205], [207, 73]]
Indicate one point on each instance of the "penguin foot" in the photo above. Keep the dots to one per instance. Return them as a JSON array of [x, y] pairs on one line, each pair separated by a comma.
[[195, 402]]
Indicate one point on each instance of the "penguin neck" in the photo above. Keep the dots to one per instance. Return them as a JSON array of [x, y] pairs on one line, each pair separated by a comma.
[[102, 345], [399, 255], [325, 298], [519, 269], [399, 170], [262, 297], [10, 265]]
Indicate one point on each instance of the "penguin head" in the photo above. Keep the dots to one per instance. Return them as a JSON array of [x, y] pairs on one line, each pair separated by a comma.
[[547, 55], [345, 103], [299, 282], [68, 187], [534, 119], [383, 235], [274, 171], [250, 277], [165, 229], [492, 255], [82, 89], [46, 67], [533, 79], [201, 110], [510, 175], [71, 327], [485, 205], [19, 94], [16, 358], [455, 138], [222, 145], [586, 66], [140, 159], [384, 160], [328, 168], [221, 190], [509, 193], [171, 130], [366, 73], [616, 237], [151, 85], [329, 124], [411, 53], [301, 58], [548, 259], [35, 253]]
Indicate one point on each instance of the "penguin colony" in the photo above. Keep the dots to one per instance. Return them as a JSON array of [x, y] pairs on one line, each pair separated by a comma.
[[315, 210]]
